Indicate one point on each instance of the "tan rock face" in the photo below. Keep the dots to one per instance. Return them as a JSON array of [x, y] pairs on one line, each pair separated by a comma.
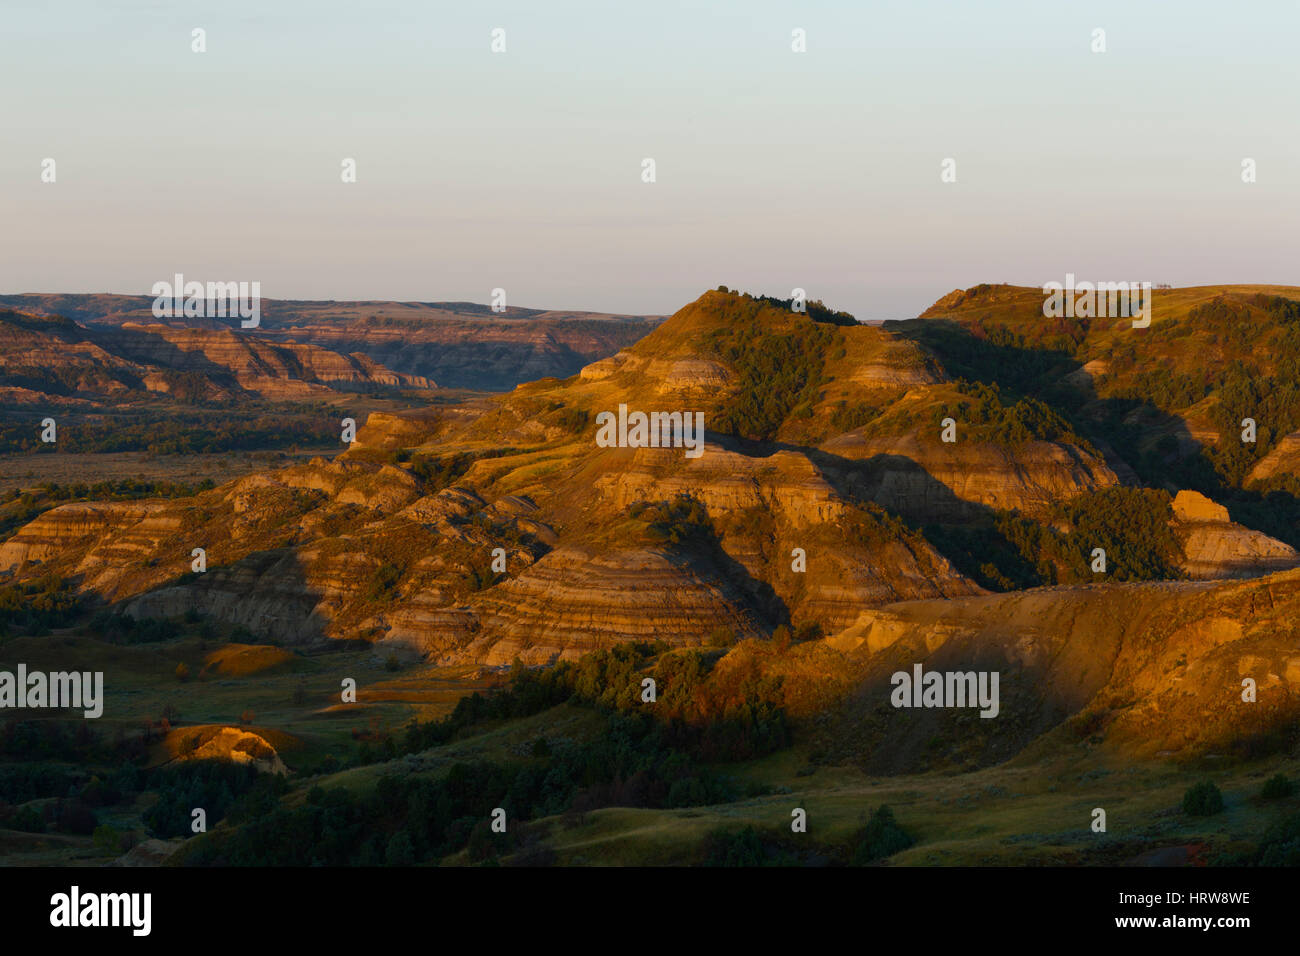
[[219, 363], [882, 375], [1087, 375], [235, 745], [1284, 459], [601, 369], [488, 353], [1216, 547], [258, 364], [692, 375], [458, 344], [1143, 667], [900, 365], [931, 481], [1225, 550], [575, 600], [786, 483], [1193, 506]]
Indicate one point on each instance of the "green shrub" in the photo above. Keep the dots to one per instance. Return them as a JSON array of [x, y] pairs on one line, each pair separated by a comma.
[[881, 837], [1203, 800], [1280, 845], [401, 851], [742, 847], [1277, 787]]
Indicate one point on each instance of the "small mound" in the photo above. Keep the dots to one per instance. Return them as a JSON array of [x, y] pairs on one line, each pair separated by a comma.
[[234, 744], [240, 660]]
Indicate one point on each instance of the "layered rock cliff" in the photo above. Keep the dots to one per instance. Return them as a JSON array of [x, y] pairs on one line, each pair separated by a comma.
[[65, 361]]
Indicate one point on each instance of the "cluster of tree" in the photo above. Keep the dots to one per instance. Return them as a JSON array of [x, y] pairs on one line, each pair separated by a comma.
[[22, 782], [73, 794], [67, 380], [437, 472], [986, 417], [1274, 405], [124, 629], [1165, 387], [411, 819], [158, 435], [68, 765], [1007, 551], [682, 519], [1027, 360], [189, 387], [382, 585], [36, 606], [74, 741], [572, 420], [1260, 380], [737, 719], [1203, 799], [749, 846], [815, 309], [434, 471], [881, 837], [647, 755], [219, 787], [1132, 525], [846, 417], [114, 489], [778, 375], [1003, 552], [870, 524]]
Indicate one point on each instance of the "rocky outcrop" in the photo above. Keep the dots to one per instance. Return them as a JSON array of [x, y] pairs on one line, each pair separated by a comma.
[[385, 432], [124, 531], [230, 744], [1283, 459], [575, 600], [258, 364], [458, 344], [932, 481], [69, 361], [1215, 547], [1145, 668], [1192, 506], [688, 376], [785, 483]]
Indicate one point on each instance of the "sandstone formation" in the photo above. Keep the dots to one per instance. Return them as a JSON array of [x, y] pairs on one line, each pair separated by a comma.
[[1216, 547], [457, 344], [932, 481], [1146, 668], [74, 362], [1283, 459]]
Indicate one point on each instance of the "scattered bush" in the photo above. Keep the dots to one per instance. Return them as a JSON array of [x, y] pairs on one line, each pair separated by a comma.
[[1277, 787], [880, 838], [1203, 800]]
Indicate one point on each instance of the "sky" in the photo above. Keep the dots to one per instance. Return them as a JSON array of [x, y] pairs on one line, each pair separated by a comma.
[[522, 170]]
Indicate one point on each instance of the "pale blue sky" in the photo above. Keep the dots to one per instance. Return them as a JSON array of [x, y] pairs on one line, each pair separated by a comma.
[[522, 170]]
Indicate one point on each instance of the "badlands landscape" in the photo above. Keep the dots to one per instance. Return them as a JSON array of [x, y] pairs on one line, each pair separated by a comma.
[[475, 634]]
